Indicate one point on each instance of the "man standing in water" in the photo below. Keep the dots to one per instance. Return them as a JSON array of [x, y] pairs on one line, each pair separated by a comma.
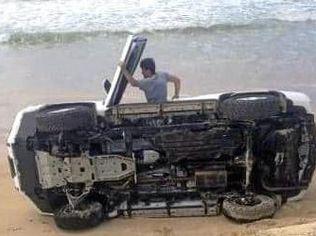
[[154, 84]]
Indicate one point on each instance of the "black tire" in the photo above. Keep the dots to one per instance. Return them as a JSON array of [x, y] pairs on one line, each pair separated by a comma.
[[86, 215], [66, 118], [265, 207], [297, 110], [245, 107]]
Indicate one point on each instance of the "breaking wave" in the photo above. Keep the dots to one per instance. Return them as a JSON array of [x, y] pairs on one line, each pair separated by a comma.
[[35, 21], [22, 38]]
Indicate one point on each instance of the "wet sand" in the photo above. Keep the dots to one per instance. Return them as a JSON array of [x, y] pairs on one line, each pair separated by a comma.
[[18, 217]]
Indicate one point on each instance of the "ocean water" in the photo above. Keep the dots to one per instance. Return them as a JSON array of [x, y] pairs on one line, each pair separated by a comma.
[[212, 45], [23, 20]]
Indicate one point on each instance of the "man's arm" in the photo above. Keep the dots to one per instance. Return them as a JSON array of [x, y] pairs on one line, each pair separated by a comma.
[[177, 85], [128, 76]]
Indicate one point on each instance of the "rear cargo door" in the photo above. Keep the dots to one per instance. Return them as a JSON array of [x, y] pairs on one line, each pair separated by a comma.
[[131, 55]]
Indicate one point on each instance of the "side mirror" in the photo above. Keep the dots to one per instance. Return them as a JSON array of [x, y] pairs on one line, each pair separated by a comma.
[[106, 85]]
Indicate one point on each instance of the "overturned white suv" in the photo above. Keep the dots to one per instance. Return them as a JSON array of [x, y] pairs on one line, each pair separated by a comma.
[[243, 154]]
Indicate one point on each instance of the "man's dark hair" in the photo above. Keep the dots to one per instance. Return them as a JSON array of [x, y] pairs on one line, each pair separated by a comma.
[[148, 64]]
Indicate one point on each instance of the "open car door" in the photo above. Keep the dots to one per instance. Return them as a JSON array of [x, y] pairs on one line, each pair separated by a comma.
[[131, 55]]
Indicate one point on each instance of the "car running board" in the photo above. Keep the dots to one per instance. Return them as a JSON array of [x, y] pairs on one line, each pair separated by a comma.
[[185, 208]]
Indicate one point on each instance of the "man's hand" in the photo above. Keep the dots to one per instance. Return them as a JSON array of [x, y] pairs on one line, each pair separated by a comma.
[[177, 85], [123, 68], [175, 96], [122, 65]]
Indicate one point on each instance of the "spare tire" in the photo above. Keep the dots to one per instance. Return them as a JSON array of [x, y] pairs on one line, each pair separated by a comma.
[[84, 216], [66, 118], [250, 106], [260, 207]]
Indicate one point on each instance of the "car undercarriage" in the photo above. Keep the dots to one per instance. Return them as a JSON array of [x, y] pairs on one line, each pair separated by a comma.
[[243, 154]]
